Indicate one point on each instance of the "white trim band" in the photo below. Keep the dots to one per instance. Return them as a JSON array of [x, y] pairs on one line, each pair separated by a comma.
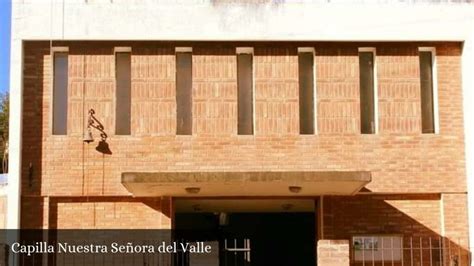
[[306, 50], [244, 50], [367, 49], [60, 49], [183, 49], [122, 49]]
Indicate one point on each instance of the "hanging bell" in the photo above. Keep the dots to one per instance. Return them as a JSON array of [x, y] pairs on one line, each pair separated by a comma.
[[88, 138]]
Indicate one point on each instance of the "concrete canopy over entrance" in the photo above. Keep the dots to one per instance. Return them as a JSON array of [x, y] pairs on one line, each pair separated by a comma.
[[221, 184]]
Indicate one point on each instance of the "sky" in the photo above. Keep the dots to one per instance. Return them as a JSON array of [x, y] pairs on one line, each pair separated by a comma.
[[5, 19]]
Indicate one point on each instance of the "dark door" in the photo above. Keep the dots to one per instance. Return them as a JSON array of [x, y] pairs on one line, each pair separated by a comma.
[[273, 239]]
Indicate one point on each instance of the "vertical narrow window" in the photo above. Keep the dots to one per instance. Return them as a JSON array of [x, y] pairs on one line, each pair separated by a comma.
[[60, 71], [245, 91], [367, 91], [184, 100], [306, 89], [123, 92], [427, 91]]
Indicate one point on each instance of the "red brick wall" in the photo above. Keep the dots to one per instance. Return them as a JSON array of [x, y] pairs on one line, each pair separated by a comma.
[[276, 93], [409, 215], [337, 83], [455, 212], [399, 90], [401, 159], [118, 213], [153, 92], [409, 158], [96, 212], [422, 218], [214, 92]]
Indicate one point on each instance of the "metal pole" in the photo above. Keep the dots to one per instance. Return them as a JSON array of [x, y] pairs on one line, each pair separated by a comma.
[[421, 252], [431, 254], [459, 252], [440, 251], [383, 251], [449, 251], [391, 250], [250, 250], [373, 253], [225, 251], [363, 251]]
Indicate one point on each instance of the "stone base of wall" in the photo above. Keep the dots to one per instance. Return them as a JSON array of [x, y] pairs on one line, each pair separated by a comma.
[[333, 253]]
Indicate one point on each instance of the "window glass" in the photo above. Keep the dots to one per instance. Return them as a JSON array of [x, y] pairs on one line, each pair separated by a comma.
[[123, 94], [60, 93], [426, 78], [245, 94], [367, 101], [184, 103], [306, 92]]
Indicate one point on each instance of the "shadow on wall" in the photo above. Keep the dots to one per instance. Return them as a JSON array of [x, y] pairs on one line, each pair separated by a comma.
[[393, 217]]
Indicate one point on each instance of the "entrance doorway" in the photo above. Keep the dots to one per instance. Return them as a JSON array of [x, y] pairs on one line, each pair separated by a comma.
[[249, 232]]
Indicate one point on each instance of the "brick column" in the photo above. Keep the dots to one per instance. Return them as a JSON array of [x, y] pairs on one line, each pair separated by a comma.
[[333, 253]]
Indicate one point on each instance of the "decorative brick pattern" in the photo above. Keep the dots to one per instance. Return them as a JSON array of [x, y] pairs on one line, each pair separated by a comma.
[[91, 85], [337, 85], [276, 91], [409, 159], [398, 80], [214, 91], [153, 91]]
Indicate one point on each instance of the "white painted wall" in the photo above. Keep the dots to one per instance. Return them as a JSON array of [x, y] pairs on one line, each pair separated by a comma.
[[206, 20], [312, 20]]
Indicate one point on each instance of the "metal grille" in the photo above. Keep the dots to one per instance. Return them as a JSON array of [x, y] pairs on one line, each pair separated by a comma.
[[411, 251], [237, 252]]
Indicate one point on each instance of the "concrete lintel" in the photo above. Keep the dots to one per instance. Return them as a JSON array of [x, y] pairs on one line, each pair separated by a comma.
[[245, 183]]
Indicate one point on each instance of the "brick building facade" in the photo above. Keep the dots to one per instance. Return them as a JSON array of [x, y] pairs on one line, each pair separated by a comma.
[[397, 183], [418, 185]]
